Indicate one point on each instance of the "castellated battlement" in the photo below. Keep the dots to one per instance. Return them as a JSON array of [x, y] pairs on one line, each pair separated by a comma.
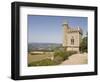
[[75, 29]]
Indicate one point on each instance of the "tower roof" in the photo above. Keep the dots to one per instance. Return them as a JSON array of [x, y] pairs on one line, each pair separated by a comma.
[[65, 22]]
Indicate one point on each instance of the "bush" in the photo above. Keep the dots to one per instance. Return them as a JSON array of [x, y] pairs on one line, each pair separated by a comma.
[[60, 54], [45, 62], [63, 54], [84, 45], [69, 53], [58, 59]]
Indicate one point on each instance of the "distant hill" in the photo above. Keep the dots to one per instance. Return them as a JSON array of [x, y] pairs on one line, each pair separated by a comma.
[[43, 46]]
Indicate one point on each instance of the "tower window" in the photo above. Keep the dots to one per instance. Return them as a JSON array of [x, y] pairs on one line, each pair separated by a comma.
[[72, 40]]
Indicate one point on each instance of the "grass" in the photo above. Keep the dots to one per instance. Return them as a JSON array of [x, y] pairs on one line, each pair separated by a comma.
[[45, 59], [45, 62], [34, 58]]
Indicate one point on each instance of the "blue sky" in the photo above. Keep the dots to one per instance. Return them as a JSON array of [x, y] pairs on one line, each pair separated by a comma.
[[48, 29]]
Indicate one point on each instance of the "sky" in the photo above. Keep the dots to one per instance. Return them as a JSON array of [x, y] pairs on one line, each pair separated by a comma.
[[49, 29]]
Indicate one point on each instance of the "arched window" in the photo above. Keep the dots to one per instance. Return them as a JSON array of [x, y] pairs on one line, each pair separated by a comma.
[[72, 40]]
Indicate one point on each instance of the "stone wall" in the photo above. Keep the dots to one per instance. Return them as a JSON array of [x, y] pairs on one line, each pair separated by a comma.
[[68, 33]]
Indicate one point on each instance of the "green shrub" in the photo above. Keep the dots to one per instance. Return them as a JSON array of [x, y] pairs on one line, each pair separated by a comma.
[[69, 53], [84, 45], [60, 53], [63, 54], [58, 59]]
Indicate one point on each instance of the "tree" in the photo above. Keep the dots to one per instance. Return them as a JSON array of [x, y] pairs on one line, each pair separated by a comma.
[[84, 45]]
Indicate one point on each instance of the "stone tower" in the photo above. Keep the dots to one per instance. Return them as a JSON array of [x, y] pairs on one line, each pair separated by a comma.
[[65, 29], [71, 37]]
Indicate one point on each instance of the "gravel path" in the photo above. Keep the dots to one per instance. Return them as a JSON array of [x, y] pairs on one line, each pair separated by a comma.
[[76, 59]]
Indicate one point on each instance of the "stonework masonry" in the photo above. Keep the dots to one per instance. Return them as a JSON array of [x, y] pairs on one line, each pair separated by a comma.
[[71, 37]]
